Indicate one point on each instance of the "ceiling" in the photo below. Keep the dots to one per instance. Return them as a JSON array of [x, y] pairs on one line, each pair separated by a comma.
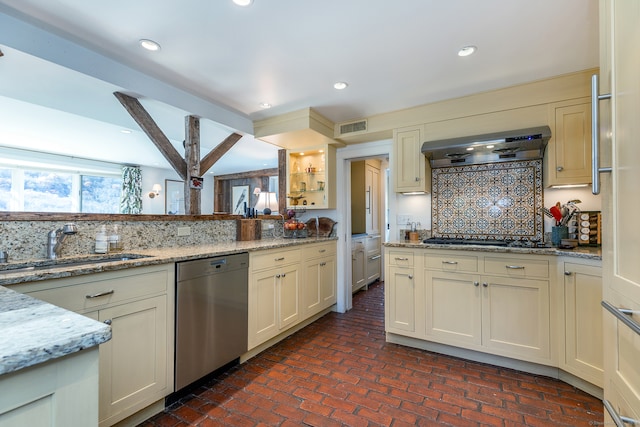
[[220, 61]]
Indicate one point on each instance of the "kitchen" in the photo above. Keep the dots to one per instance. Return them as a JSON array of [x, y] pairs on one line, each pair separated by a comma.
[[386, 147]]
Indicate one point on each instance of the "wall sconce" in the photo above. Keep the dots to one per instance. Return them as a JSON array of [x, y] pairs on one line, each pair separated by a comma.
[[155, 191]]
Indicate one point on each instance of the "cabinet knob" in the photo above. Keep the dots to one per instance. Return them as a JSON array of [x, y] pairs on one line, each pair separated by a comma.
[[476, 283], [417, 179], [486, 285], [410, 276], [277, 276], [559, 168], [568, 273], [108, 322], [284, 275]]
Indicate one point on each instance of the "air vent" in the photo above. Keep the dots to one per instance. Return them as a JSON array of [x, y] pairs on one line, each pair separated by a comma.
[[352, 127]]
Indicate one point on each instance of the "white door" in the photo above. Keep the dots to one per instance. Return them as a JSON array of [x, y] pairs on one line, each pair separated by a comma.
[[621, 275]]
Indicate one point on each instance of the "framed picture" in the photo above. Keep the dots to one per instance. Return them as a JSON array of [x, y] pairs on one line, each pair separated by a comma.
[[174, 200], [239, 196]]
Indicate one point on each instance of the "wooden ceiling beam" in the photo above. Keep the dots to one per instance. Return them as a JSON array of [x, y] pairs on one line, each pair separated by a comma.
[[214, 155], [149, 126]]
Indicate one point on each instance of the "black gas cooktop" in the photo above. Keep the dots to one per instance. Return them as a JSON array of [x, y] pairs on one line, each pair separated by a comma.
[[485, 242]]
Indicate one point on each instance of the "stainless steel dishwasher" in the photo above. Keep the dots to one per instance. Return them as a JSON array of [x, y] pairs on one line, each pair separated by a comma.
[[211, 315]]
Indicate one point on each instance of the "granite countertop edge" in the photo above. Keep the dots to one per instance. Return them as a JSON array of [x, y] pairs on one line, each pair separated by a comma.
[[34, 332], [593, 253]]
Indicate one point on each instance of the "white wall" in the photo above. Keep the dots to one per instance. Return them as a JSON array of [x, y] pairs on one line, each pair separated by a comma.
[[155, 206]]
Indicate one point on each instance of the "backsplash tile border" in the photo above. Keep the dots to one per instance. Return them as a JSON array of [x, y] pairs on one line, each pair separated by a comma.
[[496, 200]]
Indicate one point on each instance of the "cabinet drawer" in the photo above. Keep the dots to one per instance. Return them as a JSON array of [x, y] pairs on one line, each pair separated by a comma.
[[400, 258], [315, 251], [517, 267], [100, 293], [373, 243], [451, 262], [270, 259]]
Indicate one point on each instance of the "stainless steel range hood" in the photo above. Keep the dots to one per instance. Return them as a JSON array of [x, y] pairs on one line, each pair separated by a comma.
[[521, 144]]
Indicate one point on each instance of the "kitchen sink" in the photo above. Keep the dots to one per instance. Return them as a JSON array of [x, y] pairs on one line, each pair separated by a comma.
[[65, 263]]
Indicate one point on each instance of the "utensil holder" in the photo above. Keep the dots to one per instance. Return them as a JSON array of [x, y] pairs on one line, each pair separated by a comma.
[[558, 233]]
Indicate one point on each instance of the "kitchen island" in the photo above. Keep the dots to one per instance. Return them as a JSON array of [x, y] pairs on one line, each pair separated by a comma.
[[533, 309], [134, 293]]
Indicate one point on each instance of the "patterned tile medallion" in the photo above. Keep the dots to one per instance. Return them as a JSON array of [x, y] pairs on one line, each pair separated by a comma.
[[501, 200]]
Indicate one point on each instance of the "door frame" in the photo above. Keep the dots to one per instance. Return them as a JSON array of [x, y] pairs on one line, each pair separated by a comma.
[[344, 157]]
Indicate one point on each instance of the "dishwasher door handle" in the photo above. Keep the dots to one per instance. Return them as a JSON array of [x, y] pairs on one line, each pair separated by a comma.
[[218, 262]]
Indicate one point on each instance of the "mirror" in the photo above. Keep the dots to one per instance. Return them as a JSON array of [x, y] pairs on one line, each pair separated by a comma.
[[48, 108]]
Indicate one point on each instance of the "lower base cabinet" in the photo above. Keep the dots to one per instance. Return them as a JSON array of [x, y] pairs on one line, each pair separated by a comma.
[[287, 286], [136, 365], [510, 305]]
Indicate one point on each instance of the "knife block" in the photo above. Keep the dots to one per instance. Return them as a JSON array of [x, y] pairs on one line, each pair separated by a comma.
[[248, 229]]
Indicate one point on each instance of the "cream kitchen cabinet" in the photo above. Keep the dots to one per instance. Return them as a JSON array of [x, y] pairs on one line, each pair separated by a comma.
[[319, 284], [411, 171], [358, 263], [374, 258], [136, 365], [274, 293], [582, 352], [403, 294], [568, 157], [287, 287], [506, 314], [311, 177]]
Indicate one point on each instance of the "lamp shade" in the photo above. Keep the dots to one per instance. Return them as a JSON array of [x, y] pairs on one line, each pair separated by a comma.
[[267, 203]]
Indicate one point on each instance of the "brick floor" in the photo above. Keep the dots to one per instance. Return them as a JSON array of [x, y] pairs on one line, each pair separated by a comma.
[[340, 371]]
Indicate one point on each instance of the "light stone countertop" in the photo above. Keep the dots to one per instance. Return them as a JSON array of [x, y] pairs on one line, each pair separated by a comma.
[[32, 331], [584, 252]]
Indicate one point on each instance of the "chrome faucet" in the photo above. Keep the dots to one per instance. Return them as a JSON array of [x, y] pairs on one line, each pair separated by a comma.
[[56, 237]]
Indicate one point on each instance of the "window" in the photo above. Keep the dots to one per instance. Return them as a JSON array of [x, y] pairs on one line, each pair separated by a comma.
[[41, 182]]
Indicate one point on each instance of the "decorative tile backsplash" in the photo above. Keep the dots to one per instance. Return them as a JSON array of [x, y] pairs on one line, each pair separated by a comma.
[[498, 200]]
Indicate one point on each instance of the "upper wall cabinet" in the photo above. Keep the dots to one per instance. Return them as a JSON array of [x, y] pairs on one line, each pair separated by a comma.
[[311, 177], [411, 171], [568, 158]]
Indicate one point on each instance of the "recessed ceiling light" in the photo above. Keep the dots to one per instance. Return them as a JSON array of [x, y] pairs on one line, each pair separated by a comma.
[[149, 45], [469, 148], [265, 105], [467, 50], [302, 154], [340, 85], [125, 131], [243, 2], [490, 146]]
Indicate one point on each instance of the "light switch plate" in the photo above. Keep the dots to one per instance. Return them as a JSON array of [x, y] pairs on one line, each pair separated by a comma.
[[184, 231]]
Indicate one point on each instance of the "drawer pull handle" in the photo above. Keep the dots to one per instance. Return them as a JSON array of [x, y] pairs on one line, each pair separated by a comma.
[[100, 294], [618, 419], [402, 259], [108, 322], [514, 267], [622, 315], [322, 250], [279, 259], [410, 276], [450, 262], [375, 257]]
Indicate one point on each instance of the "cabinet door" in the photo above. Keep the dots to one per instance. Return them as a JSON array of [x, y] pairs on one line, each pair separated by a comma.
[[453, 308], [328, 282], [583, 348], [263, 306], [358, 266], [288, 296], [311, 300], [409, 165], [133, 364], [515, 317], [621, 269], [572, 145], [401, 299]]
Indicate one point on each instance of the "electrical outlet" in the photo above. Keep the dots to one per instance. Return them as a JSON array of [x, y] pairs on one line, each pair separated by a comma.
[[270, 227], [403, 219], [184, 231]]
